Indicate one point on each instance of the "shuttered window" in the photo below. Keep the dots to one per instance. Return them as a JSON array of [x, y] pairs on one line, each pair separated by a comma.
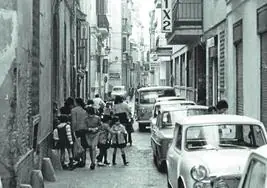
[[177, 71], [262, 30], [237, 31], [35, 57], [222, 62], [182, 70], [264, 78]]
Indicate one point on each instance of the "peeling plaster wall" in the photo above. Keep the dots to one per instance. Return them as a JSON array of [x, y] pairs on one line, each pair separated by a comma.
[[15, 58]]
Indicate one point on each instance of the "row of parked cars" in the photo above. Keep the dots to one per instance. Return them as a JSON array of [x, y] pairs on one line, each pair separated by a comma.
[[200, 150]]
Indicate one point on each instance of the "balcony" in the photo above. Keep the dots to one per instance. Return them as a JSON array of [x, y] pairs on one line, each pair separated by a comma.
[[187, 22], [157, 3], [127, 29], [103, 24]]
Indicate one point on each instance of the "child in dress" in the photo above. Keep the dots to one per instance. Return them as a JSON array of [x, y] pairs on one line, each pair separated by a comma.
[[63, 137], [103, 142], [118, 133]]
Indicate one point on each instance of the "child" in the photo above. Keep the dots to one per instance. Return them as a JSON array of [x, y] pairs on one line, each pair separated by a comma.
[[103, 142], [118, 133], [63, 137]]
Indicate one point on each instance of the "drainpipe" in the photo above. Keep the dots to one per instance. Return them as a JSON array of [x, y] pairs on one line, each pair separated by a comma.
[[89, 72]]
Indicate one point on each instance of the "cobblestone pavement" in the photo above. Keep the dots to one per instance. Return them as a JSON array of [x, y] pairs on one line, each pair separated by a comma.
[[141, 172]]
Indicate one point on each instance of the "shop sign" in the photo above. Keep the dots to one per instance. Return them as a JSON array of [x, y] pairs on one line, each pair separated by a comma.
[[114, 75], [166, 16]]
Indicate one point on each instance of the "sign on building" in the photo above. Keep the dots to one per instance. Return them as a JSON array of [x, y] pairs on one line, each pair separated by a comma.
[[166, 16], [114, 75]]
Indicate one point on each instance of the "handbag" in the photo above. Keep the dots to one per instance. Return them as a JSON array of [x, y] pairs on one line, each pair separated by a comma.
[[78, 150]]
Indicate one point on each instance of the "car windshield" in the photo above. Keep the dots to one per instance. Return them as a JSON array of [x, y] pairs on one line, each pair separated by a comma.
[[148, 97], [171, 117], [231, 136]]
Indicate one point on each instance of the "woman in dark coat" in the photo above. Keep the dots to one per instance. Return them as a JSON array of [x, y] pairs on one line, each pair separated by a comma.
[[123, 111]]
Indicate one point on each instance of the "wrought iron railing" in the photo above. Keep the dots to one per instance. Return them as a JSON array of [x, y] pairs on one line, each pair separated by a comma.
[[102, 21], [188, 13]]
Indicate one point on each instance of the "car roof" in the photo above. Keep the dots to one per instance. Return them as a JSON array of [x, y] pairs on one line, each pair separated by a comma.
[[197, 107], [183, 101], [217, 118], [167, 102], [118, 86], [154, 88], [173, 97]]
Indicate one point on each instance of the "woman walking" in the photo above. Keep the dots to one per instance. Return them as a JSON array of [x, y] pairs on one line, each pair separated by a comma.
[[123, 111], [78, 117], [118, 133], [93, 123]]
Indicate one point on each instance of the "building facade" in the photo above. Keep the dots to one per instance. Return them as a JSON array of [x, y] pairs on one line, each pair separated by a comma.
[[160, 52], [189, 64], [36, 62], [233, 36]]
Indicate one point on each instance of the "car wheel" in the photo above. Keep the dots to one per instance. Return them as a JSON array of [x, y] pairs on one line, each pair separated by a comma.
[[141, 127], [154, 159], [180, 184]]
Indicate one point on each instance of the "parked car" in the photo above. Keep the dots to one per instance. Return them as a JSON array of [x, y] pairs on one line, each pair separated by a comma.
[[118, 91], [186, 103], [159, 99], [162, 131], [255, 171], [209, 150], [161, 106], [145, 100]]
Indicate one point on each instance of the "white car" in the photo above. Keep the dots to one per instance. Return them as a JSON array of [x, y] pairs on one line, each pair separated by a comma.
[[159, 99], [160, 107], [211, 150], [118, 91], [255, 173], [162, 131]]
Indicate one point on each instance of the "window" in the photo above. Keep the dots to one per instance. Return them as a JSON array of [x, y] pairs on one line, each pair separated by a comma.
[[256, 175], [231, 136], [124, 44], [178, 143]]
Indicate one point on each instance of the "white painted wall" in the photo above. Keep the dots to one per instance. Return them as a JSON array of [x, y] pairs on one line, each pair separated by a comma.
[[247, 11]]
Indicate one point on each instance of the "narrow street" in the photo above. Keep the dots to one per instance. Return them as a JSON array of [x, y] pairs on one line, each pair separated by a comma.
[[140, 173]]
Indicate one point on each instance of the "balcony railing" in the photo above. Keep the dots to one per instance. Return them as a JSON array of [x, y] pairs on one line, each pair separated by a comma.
[[188, 13], [126, 28], [102, 22]]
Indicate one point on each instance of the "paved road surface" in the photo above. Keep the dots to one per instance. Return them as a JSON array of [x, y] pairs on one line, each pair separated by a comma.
[[141, 172]]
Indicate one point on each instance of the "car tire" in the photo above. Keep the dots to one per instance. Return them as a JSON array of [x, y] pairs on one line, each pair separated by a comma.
[[141, 127], [154, 159], [180, 183]]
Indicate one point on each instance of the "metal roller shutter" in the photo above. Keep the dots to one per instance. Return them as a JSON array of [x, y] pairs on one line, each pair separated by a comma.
[[264, 78], [239, 79]]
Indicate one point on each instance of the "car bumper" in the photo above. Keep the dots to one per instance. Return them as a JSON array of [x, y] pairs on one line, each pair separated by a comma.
[[229, 181]]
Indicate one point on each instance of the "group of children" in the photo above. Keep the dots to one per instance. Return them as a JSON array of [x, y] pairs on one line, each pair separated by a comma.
[[110, 134]]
